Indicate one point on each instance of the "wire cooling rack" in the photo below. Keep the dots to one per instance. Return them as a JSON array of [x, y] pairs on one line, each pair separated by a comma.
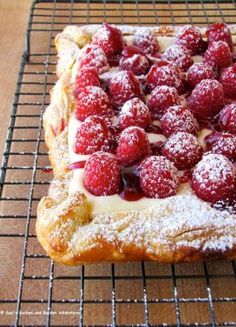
[[35, 291]]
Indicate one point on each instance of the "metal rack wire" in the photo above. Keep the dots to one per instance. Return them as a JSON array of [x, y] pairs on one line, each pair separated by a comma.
[[134, 294]]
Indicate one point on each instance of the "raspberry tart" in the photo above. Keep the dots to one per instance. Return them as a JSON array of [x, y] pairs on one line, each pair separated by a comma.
[[142, 140]]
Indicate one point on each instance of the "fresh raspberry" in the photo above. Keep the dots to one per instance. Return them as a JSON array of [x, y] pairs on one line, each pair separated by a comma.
[[92, 100], [161, 98], [110, 39], [102, 174], [165, 73], [219, 32], [227, 118], [180, 55], [226, 145], [199, 71], [133, 145], [135, 60], [87, 76], [228, 80], [134, 113], [214, 178], [158, 177], [190, 37], [93, 135], [145, 40], [124, 86], [93, 56], [178, 119], [183, 149], [206, 99], [218, 55]]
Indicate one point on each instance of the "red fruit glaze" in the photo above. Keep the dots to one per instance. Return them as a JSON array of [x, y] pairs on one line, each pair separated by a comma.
[[93, 135], [158, 177], [92, 100], [134, 59], [87, 76], [123, 87], [228, 81], [110, 39], [102, 174], [60, 128], [227, 118], [206, 99], [183, 149], [134, 113], [190, 37], [76, 165], [214, 178], [180, 55], [161, 98], [226, 145], [218, 55], [178, 119], [219, 32], [131, 187], [93, 56], [199, 71], [133, 145], [165, 73], [145, 40]]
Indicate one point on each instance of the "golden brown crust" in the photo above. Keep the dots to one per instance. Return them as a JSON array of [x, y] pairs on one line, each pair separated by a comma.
[[64, 225]]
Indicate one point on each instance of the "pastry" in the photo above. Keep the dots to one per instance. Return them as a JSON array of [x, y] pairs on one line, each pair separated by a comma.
[[142, 141]]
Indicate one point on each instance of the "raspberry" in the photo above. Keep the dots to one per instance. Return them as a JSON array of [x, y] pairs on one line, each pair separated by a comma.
[[165, 73], [183, 149], [226, 145], [93, 135], [218, 55], [180, 55], [133, 145], [190, 37], [93, 56], [102, 174], [135, 60], [124, 86], [214, 178], [219, 32], [134, 113], [227, 118], [92, 100], [110, 39], [145, 40], [178, 119], [228, 80], [158, 177], [87, 76], [199, 71], [206, 99], [161, 98]]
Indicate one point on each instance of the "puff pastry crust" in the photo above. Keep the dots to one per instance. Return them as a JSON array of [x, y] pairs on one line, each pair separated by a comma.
[[177, 229]]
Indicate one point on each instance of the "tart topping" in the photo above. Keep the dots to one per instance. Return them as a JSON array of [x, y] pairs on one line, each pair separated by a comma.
[[180, 55], [190, 38], [87, 76], [183, 149], [110, 39], [227, 118], [225, 144], [134, 59], [92, 100], [158, 177], [93, 135], [214, 178], [102, 174], [206, 99], [145, 40], [161, 98], [178, 119], [124, 86], [219, 32], [199, 71], [133, 145], [228, 80], [93, 56], [218, 55], [134, 113]]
